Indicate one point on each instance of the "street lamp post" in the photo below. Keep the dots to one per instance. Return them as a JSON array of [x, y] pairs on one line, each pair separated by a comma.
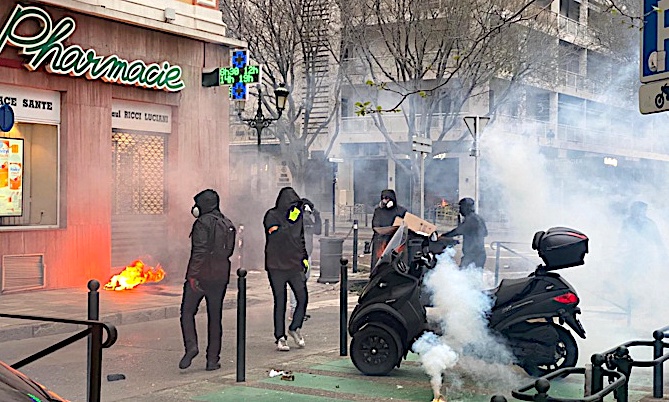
[[259, 121], [475, 125]]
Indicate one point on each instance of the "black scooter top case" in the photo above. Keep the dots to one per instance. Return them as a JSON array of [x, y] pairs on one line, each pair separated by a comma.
[[560, 247]]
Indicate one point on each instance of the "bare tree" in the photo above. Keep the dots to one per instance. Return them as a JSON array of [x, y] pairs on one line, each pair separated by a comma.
[[429, 60], [290, 39]]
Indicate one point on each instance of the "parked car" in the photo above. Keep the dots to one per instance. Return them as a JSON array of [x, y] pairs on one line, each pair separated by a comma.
[[18, 387]]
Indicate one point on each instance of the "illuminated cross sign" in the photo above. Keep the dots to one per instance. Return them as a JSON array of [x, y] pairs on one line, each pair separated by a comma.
[[239, 74]]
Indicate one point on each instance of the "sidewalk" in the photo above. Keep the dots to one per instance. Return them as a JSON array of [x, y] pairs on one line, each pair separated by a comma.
[[148, 302]]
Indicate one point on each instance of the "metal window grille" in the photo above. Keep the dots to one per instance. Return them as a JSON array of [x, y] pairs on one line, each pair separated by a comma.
[[138, 169]]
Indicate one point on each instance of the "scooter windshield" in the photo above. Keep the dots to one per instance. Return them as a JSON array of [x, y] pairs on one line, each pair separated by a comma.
[[396, 245]]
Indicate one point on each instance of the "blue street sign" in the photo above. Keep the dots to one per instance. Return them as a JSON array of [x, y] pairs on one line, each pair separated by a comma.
[[654, 65], [6, 118]]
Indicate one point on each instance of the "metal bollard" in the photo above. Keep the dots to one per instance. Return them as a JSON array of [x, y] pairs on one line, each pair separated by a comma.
[[241, 325], [658, 369], [597, 379], [93, 314], [622, 363], [93, 300], [542, 386], [343, 308], [355, 246], [326, 225]]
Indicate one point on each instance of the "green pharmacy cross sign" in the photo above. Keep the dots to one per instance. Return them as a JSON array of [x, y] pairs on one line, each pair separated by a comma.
[[237, 76]]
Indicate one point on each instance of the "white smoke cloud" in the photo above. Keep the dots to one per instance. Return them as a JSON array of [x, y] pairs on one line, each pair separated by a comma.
[[539, 192], [460, 304]]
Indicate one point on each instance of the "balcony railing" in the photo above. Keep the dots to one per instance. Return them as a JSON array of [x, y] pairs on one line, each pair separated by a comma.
[[397, 126]]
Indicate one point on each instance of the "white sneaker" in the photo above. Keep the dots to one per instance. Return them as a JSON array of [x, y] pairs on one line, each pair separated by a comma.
[[282, 345], [297, 337]]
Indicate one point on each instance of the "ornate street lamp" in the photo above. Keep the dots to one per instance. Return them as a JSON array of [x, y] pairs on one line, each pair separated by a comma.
[[259, 121]]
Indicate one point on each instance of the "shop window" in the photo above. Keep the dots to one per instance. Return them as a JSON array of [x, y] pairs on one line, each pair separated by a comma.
[[138, 168], [29, 172]]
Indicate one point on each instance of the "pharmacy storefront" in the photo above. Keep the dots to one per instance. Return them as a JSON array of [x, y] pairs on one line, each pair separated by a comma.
[[113, 134]]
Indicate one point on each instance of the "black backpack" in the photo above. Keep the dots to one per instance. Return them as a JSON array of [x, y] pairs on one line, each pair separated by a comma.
[[225, 235]]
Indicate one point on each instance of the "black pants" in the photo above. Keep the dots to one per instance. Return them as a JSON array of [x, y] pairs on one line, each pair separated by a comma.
[[214, 293], [477, 258], [297, 281]]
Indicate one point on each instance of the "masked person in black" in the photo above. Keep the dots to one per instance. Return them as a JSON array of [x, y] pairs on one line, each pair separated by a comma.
[[384, 215], [207, 276], [286, 262], [473, 231]]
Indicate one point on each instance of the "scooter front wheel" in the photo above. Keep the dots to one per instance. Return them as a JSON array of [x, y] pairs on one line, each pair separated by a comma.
[[376, 350], [566, 355]]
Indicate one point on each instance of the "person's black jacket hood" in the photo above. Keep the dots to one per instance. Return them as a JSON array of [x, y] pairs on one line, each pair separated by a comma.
[[207, 201], [384, 216], [285, 247], [287, 197], [389, 193], [202, 265]]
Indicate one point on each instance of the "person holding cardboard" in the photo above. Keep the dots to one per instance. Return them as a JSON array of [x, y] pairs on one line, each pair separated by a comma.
[[384, 216]]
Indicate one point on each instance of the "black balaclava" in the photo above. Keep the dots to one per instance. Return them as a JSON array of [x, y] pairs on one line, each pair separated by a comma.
[[392, 199], [466, 206]]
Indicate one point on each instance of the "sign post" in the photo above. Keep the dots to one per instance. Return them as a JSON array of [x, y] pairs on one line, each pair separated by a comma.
[[475, 125], [423, 146]]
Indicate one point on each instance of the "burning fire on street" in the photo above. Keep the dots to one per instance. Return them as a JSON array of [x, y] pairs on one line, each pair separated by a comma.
[[134, 275]]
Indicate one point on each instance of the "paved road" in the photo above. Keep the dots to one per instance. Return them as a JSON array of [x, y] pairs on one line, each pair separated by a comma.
[[147, 354]]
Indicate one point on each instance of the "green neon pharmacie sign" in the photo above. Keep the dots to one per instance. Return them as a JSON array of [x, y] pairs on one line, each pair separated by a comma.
[[46, 47]]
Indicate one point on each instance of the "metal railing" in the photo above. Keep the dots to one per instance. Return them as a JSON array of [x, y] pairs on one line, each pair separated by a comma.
[[618, 370], [498, 246], [94, 332]]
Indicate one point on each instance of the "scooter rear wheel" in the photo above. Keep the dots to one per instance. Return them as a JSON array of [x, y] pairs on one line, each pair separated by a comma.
[[566, 354], [375, 350]]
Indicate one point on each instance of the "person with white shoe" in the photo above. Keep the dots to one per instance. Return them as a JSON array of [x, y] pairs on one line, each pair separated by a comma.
[[286, 263]]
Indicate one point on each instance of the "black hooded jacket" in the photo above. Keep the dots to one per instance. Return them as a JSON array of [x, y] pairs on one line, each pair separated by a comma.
[[204, 264], [284, 233], [383, 217]]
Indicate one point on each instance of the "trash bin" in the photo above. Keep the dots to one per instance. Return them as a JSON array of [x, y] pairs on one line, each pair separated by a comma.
[[331, 253]]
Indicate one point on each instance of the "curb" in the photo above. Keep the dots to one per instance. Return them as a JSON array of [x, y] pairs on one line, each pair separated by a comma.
[[37, 329]]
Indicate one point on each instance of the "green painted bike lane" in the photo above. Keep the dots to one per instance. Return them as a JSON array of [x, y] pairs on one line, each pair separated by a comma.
[[339, 380]]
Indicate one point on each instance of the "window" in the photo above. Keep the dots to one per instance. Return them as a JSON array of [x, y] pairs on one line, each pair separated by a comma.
[[570, 9], [571, 111], [570, 57], [138, 166], [345, 108], [539, 106], [29, 193]]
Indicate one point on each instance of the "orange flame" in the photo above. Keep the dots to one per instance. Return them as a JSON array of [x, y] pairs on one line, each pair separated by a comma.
[[134, 275], [444, 203]]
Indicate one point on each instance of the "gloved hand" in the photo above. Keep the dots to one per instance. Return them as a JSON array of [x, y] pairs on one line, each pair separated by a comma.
[[195, 285], [305, 264]]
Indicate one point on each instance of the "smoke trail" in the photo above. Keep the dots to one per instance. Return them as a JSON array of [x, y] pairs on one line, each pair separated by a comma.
[[436, 357], [460, 306]]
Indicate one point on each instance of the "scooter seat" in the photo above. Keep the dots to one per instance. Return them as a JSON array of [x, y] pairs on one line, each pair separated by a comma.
[[509, 290]]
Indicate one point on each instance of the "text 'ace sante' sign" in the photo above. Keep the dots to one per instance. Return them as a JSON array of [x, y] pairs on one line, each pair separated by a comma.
[[46, 47]]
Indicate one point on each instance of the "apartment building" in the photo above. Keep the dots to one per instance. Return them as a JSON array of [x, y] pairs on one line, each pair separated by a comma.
[[584, 112], [113, 135]]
